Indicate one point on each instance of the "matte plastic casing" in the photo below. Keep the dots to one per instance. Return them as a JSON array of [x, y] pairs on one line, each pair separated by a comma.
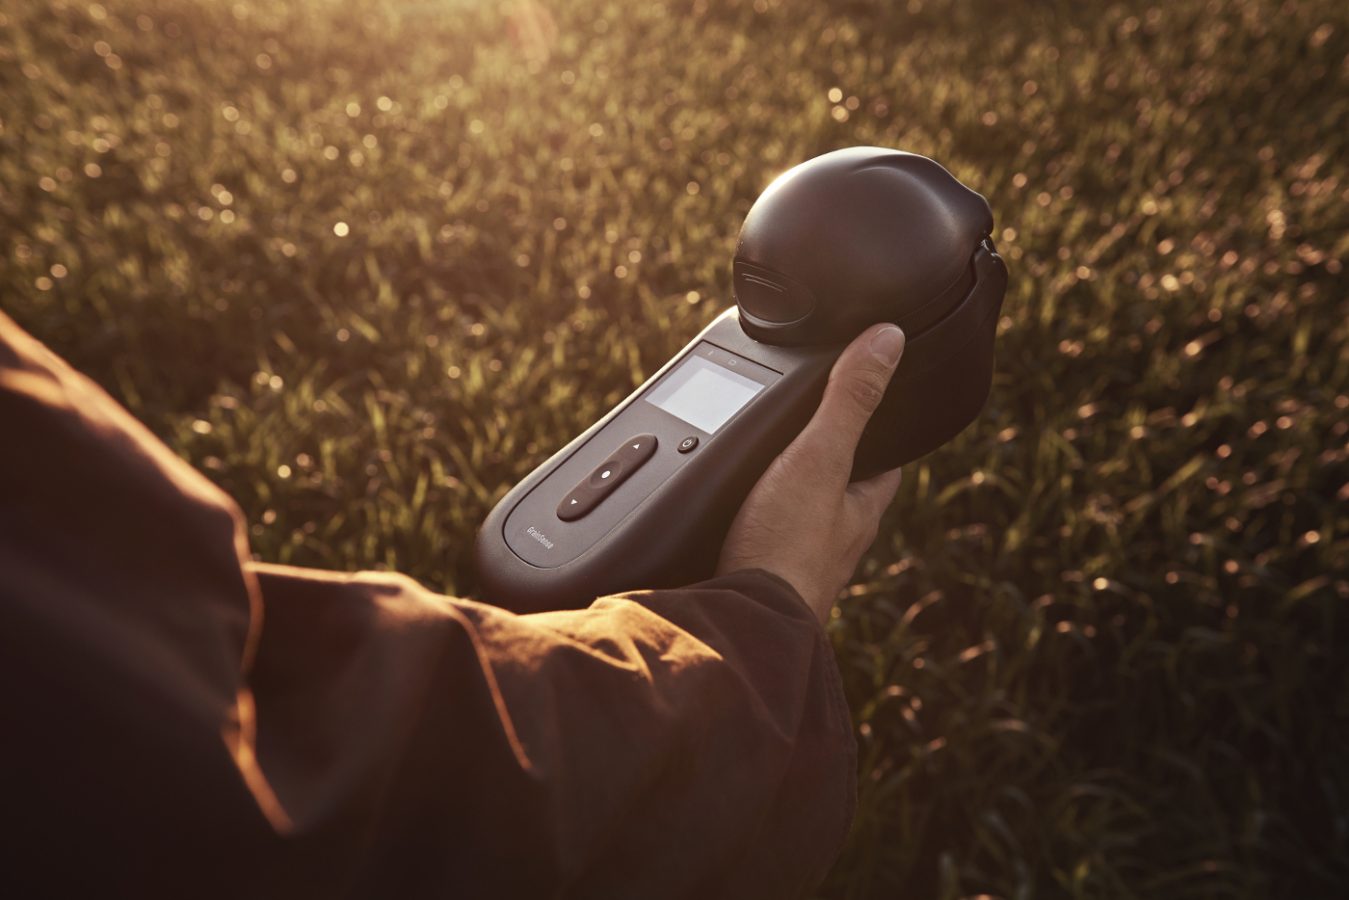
[[839, 243], [867, 235], [665, 524]]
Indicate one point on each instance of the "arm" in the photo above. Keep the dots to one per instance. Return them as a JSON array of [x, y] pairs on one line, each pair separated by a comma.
[[187, 718], [664, 744], [689, 742]]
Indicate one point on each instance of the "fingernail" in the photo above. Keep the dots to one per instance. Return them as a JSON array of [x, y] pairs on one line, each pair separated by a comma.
[[887, 344]]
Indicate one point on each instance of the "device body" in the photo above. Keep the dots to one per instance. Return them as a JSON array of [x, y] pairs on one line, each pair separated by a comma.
[[664, 522], [644, 497]]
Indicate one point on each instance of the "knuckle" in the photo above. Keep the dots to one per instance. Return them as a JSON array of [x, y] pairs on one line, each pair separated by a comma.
[[790, 461], [804, 464], [866, 389]]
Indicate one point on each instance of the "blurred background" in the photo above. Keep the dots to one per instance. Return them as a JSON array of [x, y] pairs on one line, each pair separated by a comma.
[[368, 264]]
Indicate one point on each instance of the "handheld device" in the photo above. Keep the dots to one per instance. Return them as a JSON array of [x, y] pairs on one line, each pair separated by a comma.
[[644, 497]]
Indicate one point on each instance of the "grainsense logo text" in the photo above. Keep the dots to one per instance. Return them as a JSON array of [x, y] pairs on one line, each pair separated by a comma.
[[539, 536]]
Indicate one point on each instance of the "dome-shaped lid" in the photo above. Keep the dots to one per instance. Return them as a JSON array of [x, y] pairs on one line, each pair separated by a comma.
[[852, 238]]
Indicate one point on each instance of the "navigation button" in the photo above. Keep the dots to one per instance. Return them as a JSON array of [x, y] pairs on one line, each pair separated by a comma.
[[609, 473], [636, 450], [607, 476], [582, 499]]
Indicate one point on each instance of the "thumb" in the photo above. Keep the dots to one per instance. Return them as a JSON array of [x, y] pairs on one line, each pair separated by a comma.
[[856, 385]]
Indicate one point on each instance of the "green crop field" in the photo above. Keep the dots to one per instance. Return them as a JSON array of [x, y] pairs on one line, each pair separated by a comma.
[[366, 264]]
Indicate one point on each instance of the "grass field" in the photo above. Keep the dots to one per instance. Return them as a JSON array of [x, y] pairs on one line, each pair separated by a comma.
[[368, 264]]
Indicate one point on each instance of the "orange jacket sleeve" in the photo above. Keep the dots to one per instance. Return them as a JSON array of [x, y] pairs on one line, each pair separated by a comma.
[[181, 720]]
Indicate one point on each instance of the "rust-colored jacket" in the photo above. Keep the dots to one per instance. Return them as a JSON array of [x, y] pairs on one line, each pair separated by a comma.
[[176, 720]]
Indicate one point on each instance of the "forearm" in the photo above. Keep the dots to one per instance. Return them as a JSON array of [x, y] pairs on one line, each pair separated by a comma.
[[669, 743], [226, 728]]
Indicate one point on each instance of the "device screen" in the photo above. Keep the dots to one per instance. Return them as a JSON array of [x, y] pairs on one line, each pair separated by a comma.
[[703, 393]]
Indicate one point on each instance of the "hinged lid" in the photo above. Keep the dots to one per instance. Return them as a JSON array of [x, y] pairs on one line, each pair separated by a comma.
[[856, 237]]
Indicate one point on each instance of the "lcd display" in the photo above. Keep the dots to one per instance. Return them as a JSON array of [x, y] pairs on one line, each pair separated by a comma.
[[703, 393]]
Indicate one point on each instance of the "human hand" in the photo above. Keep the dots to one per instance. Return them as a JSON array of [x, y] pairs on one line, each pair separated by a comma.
[[803, 521]]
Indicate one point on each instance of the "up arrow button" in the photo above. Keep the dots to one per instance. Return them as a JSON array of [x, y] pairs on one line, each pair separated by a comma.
[[636, 450]]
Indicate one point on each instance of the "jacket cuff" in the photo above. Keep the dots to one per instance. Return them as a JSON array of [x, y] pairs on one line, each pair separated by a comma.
[[765, 587], [761, 584]]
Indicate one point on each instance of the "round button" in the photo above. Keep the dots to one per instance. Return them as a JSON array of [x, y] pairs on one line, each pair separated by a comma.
[[606, 474], [688, 443]]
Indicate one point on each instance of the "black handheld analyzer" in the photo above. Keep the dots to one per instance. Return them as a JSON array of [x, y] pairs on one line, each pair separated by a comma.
[[644, 497]]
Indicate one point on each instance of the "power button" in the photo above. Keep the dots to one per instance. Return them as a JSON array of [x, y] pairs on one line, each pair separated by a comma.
[[688, 443]]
